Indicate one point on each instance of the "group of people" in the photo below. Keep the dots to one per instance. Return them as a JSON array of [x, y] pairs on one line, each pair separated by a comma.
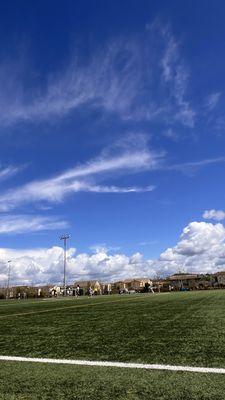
[[90, 291]]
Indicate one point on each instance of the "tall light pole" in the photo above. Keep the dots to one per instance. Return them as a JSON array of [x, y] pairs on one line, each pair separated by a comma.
[[9, 276], [64, 238]]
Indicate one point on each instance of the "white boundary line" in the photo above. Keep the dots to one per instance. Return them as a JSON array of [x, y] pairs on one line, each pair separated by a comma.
[[115, 364]]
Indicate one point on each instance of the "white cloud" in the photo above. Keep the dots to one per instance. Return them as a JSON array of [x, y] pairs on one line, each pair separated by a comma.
[[200, 249], [217, 215], [46, 265], [191, 166], [14, 224], [170, 134], [83, 179], [115, 189], [148, 243], [103, 247], [212, 100], [129, 76], [109, 80], [130, 156], [31, 266], [197, 237], [9, 171], [175, 75]]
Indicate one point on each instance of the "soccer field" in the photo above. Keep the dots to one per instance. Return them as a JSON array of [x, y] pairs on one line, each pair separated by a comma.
[[185, 329]]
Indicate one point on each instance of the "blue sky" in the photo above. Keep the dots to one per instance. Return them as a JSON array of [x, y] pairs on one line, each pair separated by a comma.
[[112, 128]]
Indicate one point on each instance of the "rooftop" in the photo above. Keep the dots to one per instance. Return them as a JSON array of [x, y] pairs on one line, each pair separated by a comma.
[[179, 277]]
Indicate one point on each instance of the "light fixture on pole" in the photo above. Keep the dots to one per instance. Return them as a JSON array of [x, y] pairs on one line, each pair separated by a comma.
[[64, 238]]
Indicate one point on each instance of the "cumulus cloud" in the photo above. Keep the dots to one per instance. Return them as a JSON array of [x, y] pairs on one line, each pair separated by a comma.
[[197, 237], [46, 265], [217, 215], [200, 249], [32, 265]]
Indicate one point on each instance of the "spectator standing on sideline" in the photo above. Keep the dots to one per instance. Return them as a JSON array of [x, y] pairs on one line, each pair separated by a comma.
[[78, 291]]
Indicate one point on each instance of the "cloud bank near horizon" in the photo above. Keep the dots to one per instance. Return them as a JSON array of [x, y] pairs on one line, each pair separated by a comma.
[[200, 249]]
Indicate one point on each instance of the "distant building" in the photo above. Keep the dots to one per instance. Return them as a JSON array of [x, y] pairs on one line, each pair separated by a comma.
[[161, 285], [137, 284], [118, 286], [184, 281], [220, 278], [207, 281]]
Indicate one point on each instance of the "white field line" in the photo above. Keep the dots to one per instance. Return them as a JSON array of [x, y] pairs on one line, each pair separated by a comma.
[[115, 364]]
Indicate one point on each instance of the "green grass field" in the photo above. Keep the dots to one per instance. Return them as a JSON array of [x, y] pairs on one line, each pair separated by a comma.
[[173, 328]]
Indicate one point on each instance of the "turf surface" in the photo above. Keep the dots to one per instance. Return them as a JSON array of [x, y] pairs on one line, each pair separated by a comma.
[[20, 381], [173, 328]]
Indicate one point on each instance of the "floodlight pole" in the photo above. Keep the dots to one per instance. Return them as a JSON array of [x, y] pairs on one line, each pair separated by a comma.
[[64, 238], [9, 275]]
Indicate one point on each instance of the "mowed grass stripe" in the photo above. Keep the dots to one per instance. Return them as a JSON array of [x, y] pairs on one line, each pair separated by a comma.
[[69, 307], [27, 302]]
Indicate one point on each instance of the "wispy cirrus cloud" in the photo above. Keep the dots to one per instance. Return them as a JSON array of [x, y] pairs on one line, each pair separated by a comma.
[[9, 171], [148, 243], [109, 79], [15, 224], [192, 166], [84, 178], [129, 76], [171, 134], [175, 75], [212, 100], [129, 156]]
